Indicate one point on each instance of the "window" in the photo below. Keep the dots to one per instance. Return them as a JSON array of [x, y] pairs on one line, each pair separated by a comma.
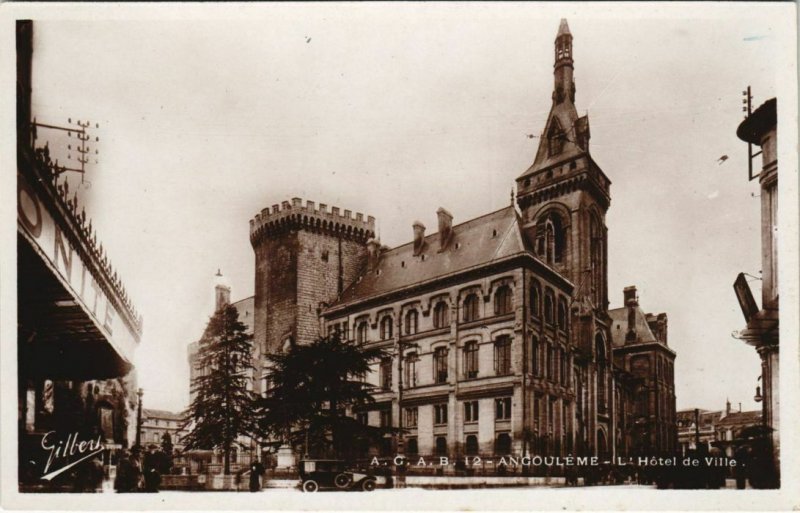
[[386, 374], [362, 418], [441, 315], [440, 414], [441, 446], [562, 314], [502, 406], [412, 415], [549, 366], [412, 322], [471, 411], [548, 307], [361, 332], [536, 364], [562, 358], [551, 238], [411, 369], [440, 365], [386, 418], [602, 397], [470, 308], [386, 328], [471, 360], [502, 301], [502, 445], [502, 355], [536, 299], [413, 447], [472, 445]]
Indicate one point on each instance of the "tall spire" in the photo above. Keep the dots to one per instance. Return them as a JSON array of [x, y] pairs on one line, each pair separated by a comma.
[[564, 85]]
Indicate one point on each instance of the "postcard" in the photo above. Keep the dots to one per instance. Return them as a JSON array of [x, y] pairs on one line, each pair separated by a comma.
[[411, 256]]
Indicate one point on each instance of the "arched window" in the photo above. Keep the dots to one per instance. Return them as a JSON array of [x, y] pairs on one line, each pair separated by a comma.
[[551, 238], [536, 299], [361, 332], [502, 445], [472, 445], [412, 322], [597, 259], [502, 301], [470, 308], [471, 360], [386, 328], [548, 307], [562, 314], [502, 355], [600, 355], [441, 446], [440, 365], [441, 315]]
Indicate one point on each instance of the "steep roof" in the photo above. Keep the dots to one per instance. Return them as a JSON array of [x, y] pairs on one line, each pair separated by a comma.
[[474, 243], [619, 326]]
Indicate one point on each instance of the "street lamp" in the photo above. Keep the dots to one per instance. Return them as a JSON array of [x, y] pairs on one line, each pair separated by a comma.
[[758, 398], [139, 394]]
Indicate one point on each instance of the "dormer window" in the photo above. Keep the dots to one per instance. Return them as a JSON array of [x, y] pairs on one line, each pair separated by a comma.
[[555, 138]]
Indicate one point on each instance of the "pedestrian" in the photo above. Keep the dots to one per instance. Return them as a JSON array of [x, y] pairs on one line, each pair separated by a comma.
[[126, 480], [256, 469], [742, 456]]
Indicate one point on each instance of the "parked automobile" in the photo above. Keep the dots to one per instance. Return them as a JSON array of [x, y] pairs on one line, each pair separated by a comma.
[[333, 475]]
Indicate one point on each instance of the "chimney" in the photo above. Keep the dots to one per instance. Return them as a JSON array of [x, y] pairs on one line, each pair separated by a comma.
[[373, 254], [222, 292], [419, 237], [631, 304], [445, 228], [727, 407]]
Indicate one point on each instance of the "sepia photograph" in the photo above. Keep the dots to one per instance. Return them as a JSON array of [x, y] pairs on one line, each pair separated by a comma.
[[400, 256]]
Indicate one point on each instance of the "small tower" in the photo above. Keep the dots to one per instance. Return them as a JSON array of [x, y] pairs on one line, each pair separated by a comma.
[[222, 291], [306, 255]]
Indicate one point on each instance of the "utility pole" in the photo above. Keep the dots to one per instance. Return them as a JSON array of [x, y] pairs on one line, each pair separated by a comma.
[[401, 468], [697, 428]]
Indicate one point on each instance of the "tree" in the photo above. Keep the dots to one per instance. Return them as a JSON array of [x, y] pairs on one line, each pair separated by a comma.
[[223, 408], [312, 388], [166, 443]]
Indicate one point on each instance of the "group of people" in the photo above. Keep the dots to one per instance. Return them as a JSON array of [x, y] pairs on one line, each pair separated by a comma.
[[138, 474]]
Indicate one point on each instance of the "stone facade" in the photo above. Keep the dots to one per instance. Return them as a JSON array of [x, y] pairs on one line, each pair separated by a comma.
[[498, 327]]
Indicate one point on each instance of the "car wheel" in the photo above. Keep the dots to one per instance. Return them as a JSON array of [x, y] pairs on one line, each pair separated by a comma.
[[368, 485], [310, 486], [342, 480]]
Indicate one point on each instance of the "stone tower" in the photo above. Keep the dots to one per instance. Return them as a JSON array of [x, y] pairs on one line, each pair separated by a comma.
[[563, 197], [305, 256]]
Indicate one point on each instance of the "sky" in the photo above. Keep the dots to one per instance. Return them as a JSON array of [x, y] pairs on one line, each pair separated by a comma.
[[396, 110]]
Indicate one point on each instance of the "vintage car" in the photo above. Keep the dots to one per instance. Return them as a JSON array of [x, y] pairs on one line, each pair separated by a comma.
[[333, 475]]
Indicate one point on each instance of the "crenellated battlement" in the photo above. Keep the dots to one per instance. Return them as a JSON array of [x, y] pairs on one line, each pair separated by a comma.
[[296, 215]]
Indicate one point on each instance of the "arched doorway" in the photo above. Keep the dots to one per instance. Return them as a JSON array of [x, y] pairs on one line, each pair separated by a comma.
[[602, 444]]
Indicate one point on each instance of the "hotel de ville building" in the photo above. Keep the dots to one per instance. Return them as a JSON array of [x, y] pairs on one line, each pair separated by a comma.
[[499, 330]]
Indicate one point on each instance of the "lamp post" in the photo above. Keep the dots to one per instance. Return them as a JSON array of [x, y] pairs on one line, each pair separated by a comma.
[[139, 394]]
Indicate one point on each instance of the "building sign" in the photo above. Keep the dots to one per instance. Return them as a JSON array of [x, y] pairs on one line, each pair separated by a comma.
[[745, 297], [54, 247]]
